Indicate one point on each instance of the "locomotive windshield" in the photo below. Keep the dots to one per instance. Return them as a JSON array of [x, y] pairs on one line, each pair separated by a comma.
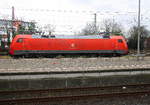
[[120, 40], [20, 40]]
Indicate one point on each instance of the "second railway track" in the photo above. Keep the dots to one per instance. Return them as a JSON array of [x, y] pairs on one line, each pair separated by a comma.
[[48, 95]]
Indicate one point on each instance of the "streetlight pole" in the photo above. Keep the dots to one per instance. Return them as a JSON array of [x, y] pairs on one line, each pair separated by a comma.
[[95, 23], [139, 32]]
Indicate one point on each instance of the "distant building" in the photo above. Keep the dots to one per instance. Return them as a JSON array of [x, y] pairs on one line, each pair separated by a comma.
[[6, 27], [147, 44]]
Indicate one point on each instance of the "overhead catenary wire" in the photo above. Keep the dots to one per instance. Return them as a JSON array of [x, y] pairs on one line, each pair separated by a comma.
[[70, 19], [71, 11]]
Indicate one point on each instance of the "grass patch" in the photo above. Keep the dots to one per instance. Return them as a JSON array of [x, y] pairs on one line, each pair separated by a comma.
[[5, 57]]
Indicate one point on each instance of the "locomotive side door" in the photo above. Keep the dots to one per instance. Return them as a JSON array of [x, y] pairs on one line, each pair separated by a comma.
[[68, 45], [119, 44], [25, 45]]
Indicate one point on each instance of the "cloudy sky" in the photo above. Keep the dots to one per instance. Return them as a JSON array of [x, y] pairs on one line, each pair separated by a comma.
[[77, 12], [109, 5]]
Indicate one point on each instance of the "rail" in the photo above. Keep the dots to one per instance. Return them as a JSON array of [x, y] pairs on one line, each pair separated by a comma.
[[78, 93], [77, 97]]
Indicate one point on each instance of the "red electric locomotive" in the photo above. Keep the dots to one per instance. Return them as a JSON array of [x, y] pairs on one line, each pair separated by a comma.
[[90, 44]]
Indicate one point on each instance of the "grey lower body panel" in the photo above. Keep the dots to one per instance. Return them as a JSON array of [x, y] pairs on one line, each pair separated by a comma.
[[23, 52]]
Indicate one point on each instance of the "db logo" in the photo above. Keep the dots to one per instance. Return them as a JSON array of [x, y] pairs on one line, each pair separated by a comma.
[[72, 45]]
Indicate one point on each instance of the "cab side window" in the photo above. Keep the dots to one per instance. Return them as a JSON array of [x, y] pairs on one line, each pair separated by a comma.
[[20, 40], [120, 41]]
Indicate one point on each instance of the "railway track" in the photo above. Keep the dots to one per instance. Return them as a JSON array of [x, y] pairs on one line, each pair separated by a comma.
[[81, 93]]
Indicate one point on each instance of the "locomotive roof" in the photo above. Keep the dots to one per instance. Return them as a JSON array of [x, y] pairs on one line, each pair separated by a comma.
[[71, 36]]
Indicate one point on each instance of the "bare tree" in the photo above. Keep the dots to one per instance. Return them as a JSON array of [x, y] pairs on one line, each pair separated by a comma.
[[111, 26], [133, 32], [90, 29], [108, 26], [49, 28]]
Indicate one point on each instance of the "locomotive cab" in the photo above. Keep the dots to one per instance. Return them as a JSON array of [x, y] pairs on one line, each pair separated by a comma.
[[121, 45], [18, 45]]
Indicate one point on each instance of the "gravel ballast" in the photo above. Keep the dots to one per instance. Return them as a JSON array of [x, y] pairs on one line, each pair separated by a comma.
[[71, 64]]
